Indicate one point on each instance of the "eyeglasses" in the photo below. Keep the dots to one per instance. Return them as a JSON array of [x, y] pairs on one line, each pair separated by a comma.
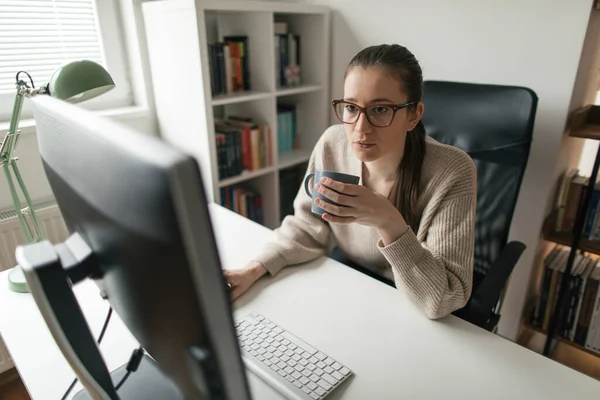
[[378, 115]]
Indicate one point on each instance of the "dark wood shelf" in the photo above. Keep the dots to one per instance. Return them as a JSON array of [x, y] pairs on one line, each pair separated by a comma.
[[566, 238], [585, 122], [562, 340]]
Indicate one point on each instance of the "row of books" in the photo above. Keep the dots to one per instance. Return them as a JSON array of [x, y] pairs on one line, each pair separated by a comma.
[[243, 201], [580, 321], [242, 145], [287, 57], [288, 132], [229, 65], [570, 198]]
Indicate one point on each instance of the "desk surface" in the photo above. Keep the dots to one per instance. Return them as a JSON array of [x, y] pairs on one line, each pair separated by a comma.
[[395, 351]]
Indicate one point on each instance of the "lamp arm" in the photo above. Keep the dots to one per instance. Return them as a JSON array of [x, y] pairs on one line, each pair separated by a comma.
[[7, 162]]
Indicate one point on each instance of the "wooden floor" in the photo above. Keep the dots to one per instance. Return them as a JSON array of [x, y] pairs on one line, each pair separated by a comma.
[[11, 387]]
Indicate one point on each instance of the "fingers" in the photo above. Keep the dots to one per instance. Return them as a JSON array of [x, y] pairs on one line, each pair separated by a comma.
[[340, 211], [338, 220], [345, 188], [334, 196]]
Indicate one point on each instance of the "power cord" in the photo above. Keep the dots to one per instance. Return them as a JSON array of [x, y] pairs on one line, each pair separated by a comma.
[[132, 365], [99, 340]]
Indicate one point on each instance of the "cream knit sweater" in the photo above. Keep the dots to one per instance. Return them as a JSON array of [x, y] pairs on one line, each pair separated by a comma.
[[435, 265]]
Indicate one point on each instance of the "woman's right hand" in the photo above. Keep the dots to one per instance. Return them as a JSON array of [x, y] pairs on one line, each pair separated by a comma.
[[241, 279]]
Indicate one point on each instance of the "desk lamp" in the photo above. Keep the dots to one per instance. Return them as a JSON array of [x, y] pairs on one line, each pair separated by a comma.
[[74, 82]]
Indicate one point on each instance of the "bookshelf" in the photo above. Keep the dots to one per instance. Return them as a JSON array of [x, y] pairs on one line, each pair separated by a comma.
[[279, 64], [566, 313]]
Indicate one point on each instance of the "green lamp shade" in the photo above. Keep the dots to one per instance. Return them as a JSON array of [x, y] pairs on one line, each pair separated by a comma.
[[79, 81]]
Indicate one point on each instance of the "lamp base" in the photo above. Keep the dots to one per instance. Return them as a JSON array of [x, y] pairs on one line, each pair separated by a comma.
[[17, 281]]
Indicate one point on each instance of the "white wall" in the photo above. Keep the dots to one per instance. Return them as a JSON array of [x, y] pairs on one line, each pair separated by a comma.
[[534, 43]]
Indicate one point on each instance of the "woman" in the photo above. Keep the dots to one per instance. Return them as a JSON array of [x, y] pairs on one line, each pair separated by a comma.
[[410, 218]]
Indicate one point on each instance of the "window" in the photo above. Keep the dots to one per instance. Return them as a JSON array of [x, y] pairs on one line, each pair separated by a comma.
[[38, 36]]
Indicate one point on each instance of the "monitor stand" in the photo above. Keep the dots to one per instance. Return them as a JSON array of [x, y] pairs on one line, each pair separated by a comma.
[[148, 382]]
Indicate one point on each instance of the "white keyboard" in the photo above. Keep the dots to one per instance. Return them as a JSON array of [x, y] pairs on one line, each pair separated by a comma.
[[291, 366]]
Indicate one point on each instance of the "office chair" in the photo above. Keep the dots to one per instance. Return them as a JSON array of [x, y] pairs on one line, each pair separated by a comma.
[[494, 125]]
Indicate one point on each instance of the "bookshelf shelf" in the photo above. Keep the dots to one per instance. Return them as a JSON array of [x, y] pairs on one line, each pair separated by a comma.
[[566, 238], [293, 158], [264, 63], [561, 340], [240, 97], [245, 176], [299, 90]]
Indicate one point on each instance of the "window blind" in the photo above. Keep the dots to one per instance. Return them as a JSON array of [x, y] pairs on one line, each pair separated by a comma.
[[39, 36]]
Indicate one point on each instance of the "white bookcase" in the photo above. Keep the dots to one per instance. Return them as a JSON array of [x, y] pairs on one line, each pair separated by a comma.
[[179, 33]]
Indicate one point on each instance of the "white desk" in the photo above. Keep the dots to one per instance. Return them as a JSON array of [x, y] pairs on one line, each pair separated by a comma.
[[395, 351]]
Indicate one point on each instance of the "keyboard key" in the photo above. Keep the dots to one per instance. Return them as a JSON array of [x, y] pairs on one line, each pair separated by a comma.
[[298, 351], [282, 365], [302, 362], [261, 351], [304, 380], [272, 334], [306, 373], [313, 359], [344, 371], [285, 358], [321, 364], [296, 375], [292, 346], [258, 317], [306, 354], [312, 385], [319, 371], [275, 360], [279, 338], [296, 357], [252, 321], [268, 355], [324, 384], [297, 384], [269, 340], [337, 375], [306, 390], [320, 356], [330, 379], [314, 396], [276, 353], [253, 353], [337, 366], [285, 342], [278, 330], [299, 367], [289, 378], [320, 391], [260, 358], [267, 363], [329, 361], [264, 345], [289, 369], [311, 367], [328, 369], [274, 367], [314, 378], [264, 336], [289, 353], [254, 346], [292, 363], [272, 325], [281, 372], [298, 342]]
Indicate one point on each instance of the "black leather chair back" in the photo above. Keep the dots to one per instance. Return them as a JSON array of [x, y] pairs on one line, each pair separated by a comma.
[[494, 125]]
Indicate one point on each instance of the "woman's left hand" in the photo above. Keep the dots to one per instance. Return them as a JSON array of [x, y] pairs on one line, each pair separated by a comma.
[[359, 204]]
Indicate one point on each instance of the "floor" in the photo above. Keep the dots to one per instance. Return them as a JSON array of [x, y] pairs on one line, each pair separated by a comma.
[[11, 387]]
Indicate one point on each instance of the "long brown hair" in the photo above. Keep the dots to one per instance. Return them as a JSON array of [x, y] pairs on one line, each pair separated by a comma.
[[403, 64]]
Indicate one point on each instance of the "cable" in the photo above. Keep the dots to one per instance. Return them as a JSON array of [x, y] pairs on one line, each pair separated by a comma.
[[99, 340], [132, 365]]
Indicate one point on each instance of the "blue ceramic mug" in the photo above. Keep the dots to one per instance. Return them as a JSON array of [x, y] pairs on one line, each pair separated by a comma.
[[336, 176]]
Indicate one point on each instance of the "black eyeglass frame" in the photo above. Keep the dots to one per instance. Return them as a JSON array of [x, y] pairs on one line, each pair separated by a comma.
[[363, 110]]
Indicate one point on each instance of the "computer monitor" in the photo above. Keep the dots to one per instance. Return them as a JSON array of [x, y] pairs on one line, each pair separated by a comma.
[[138, 213]]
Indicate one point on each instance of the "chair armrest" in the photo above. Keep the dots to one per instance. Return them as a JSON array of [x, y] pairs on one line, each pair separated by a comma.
[[486, 296]]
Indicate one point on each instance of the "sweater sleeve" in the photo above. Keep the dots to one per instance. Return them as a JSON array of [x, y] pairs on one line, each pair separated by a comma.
[[303, 236], [438, 272]]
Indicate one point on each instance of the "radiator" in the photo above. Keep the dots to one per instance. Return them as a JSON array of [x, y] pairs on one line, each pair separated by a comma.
[[11, 235]]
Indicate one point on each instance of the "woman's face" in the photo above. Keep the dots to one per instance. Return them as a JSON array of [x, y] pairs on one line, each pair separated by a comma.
[[375, 86]]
